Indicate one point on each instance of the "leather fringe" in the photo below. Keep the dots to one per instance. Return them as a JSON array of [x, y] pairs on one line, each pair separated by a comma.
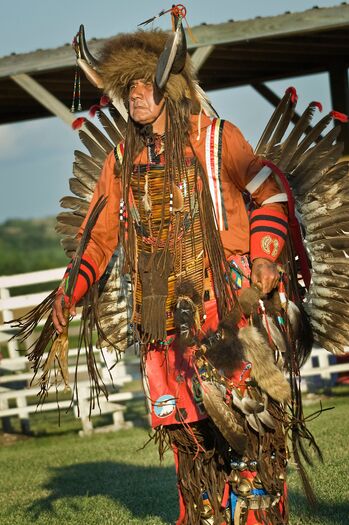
[[203, 469]]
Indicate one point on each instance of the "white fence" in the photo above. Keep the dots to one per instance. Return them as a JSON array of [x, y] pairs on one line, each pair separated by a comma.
[[17, 396], [322, 369]]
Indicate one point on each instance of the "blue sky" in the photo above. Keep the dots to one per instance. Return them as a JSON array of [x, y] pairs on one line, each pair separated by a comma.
[[36, 156]]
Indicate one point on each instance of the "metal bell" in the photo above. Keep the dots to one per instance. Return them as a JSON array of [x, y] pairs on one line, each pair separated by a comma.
[[244, 487], [234, 477], [252, 465], [257, 482], [242, 465]]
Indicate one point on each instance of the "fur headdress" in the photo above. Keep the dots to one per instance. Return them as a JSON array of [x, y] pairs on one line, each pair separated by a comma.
[[134, 56]]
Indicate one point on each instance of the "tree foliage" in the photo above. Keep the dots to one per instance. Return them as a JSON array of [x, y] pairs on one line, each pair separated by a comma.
[[29, 245]]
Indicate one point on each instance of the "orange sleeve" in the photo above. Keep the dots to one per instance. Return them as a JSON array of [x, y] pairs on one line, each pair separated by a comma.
[[268, 223], [242, 165], [105, 233]]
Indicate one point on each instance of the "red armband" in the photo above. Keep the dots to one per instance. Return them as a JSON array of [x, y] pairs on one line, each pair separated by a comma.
[[268, 231], [87, 275]]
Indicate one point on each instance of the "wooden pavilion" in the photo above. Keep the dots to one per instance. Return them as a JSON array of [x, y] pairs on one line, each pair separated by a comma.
[[249, 52]]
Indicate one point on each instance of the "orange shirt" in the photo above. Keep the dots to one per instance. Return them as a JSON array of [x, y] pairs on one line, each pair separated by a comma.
[[238, 167]]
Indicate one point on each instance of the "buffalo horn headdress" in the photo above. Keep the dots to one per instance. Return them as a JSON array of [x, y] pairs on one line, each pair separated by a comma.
[[150, 55]]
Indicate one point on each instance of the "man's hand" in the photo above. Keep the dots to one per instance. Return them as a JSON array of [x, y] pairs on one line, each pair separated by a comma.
[[58, 318], [264, 275]]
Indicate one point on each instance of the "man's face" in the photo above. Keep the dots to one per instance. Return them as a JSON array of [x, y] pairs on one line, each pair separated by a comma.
[[142, 107]]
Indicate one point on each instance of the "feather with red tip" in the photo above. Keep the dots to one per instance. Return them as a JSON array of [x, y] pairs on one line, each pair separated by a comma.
[[342, 117], [93, 110], [104, 101], [316, 104], [78, 122], [294, 96]]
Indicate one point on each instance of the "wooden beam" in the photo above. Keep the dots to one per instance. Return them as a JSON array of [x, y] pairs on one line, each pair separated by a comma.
[[200, 56], [318, 19], [43, 60], [309, 21], [45, 98], [340, 98], [267, 93], [223, 80]]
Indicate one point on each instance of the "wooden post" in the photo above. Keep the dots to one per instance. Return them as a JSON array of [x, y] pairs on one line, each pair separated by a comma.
[[340, 98]]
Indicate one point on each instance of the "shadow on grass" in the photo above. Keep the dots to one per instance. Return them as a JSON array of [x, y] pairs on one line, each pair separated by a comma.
[[325, 511], [143, 491]]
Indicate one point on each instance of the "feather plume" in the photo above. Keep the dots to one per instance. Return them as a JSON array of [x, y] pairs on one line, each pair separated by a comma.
[[66, 229], [69, 245], [330, 281], [119, 120], [79, 206], [329, 345], [273, 122], [310, 138], [224, 417], [88, 163], [80, 189], [337, 338], [96, 151], [84, 177], [70, 218], [281, 128], [110, 128], [111, 296], [321, 186], [330, 231], [290, 145], [99, 137]]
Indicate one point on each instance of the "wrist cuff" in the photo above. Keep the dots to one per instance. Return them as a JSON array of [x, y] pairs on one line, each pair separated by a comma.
[[268, 231], [87, 275]]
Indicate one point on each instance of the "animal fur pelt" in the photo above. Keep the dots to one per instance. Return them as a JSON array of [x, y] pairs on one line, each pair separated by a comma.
[[264, 370], [186, 314], [133, 56], [249, 300], [223, 348], [295, 315]]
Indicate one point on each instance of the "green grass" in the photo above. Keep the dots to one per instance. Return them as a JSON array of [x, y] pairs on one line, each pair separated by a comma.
[[103, 479], [61, 479]]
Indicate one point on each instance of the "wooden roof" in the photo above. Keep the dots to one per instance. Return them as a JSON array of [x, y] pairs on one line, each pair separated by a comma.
[[243, 52]]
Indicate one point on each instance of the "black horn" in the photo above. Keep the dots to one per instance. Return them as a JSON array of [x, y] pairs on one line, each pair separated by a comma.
[[84, 51], [173, 57], [181, 53]]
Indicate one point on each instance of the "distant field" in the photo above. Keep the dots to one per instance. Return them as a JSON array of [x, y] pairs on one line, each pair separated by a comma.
[[61, 479]]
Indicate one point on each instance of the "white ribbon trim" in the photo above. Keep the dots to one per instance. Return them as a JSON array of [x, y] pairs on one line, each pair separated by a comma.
[[258, 179], [279, 197]]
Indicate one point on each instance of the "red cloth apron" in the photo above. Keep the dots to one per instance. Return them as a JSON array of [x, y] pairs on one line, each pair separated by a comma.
[[170, 376]]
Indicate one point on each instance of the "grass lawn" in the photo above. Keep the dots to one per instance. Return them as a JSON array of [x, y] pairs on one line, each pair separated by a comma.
[[61, 479]]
